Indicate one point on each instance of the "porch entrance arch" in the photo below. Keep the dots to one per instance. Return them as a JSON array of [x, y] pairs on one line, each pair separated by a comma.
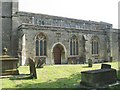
[[58, 53]]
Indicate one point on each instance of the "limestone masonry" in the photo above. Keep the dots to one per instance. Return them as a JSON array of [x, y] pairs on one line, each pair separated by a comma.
[[57, 40]]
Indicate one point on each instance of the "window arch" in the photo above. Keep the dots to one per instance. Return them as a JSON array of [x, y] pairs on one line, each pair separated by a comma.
[[41, 45], [73, 45], [95, 45]]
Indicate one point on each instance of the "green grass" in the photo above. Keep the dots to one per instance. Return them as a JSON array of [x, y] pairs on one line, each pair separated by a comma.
[[52, 76]]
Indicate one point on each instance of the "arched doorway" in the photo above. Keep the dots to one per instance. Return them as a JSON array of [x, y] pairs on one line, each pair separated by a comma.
[[58, 53]]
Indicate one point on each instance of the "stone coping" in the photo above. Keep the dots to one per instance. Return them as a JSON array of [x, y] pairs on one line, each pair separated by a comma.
[[7, 57], [98, 70], [55, 28], [101, 88], [29, 14]]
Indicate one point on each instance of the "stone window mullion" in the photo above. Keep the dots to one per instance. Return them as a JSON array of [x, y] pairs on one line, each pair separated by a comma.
[[38, 47], [70, 47], [97, 47], [45, 45], [94, 47], [43, 48], [75, 47]]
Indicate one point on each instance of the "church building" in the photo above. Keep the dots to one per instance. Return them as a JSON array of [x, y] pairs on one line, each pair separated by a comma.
[[57, 40]]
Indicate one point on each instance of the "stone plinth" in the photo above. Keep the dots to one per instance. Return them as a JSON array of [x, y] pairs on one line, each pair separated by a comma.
[[9, 65], [98, 78]]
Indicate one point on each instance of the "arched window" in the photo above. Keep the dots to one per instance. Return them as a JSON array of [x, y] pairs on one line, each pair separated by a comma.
[[95, 45], [73, 45], [41, 45]]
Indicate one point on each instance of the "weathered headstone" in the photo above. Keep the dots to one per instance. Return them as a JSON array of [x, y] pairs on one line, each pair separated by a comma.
[[98, 78], [32, 68], [40, 62], [105, 66], [111, 59], [72, 60], [89, 62]]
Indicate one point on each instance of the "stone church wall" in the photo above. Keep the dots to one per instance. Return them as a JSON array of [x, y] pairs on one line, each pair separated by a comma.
[[23, 27], [31, 31]]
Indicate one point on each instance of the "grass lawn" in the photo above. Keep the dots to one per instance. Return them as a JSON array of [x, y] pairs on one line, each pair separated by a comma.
[[52, 76]]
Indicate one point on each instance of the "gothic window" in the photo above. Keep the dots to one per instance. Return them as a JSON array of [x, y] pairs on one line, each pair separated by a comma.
[[77, 47], [43, 22], [45, 47], [37, 43], [95, 45], [70, 47], [41, 45], [74, 45]]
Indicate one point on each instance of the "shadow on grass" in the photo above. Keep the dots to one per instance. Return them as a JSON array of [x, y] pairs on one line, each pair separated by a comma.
[[86, 67], [21, 77], [70, 82]]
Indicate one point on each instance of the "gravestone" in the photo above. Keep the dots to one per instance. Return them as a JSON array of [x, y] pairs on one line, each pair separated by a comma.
[[89, 62], [98, 78], [41, 62], [105, 66], [32, 68], [72, 60]]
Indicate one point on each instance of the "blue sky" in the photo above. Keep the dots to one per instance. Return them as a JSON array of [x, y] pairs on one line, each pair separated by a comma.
[[95, 10]]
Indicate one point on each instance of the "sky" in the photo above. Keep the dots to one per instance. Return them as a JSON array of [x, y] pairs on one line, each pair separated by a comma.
[[94, 10]]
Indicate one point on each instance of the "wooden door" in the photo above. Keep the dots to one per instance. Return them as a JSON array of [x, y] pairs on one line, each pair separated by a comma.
[[57, 55]]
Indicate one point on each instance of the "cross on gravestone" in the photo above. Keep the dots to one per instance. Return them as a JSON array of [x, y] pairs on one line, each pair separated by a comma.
[[32, 68]]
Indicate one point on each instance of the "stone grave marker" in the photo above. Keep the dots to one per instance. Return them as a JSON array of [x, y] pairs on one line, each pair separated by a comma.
[[32, 68], [98, 78], [89, 62], [40, 62], [105, 66]]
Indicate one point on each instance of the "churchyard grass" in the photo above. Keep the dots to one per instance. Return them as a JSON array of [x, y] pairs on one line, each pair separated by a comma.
[[52, 76]]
